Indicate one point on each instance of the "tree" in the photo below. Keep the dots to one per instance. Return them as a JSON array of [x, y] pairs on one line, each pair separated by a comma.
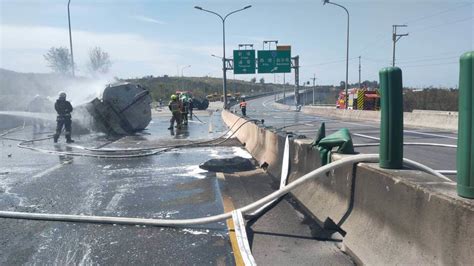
[[262, 81], [342, 84], [253, 80], [99, 61], [59, 60]]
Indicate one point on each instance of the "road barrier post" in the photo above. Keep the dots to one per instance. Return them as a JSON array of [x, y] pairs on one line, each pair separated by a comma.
[[465, 151], [391, 122]]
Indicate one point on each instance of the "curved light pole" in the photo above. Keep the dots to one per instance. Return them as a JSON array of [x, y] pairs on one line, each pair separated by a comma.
[[224, 70], [183, 68], [182, 80], [347, 51], [70, 36]]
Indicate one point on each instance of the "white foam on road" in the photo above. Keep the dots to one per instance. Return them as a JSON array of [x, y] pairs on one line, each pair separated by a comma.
[[193, 171], [196, 232], [241, 153]]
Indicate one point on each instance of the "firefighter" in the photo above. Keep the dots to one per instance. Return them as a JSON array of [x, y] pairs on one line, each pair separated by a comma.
[[191, 107], [64, 109], [175, 108], [243, 107], [184, 110]]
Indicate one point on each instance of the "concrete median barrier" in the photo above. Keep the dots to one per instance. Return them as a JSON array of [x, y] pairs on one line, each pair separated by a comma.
[[418, 118], [388, 216]]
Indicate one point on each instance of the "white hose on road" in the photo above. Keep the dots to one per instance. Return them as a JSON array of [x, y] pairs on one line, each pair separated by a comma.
[[132, 153], [321, 171], [411, 144]]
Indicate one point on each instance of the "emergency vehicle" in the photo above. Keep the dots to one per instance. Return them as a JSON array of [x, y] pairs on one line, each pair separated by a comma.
[[359, 99]]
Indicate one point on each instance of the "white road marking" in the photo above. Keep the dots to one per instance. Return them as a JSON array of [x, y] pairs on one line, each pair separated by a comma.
[[437, 183], [429, 134], [242, 239], [47, 171], [365, 136]]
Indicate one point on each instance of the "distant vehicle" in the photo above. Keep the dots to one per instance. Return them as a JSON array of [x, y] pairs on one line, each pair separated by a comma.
[[214, 97], [198, 103], [359, 99]]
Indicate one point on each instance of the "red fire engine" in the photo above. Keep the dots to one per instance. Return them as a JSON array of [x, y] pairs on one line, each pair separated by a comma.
[[360, 99]]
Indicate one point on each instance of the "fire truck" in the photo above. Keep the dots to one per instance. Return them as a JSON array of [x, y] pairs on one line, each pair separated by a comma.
[[359, 99]]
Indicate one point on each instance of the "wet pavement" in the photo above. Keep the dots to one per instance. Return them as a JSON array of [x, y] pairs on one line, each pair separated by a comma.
[[97, 176], [363, 132], [166, 185]]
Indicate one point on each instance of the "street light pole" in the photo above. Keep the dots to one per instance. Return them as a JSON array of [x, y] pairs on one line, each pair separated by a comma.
[[224, 68], [182, 69], [70, 36], [314, 82], [347, 50], [182, 79]]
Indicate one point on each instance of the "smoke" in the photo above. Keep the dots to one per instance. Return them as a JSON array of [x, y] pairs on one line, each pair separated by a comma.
[[19, 89], [82, 92]]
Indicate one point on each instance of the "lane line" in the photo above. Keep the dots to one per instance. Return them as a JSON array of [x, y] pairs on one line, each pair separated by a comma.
[[47, 171], [228, 207], [429, 134], [242, 239], [438, 183]]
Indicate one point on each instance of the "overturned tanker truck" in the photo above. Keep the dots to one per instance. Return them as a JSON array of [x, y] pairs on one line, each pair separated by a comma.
[[123, 109]]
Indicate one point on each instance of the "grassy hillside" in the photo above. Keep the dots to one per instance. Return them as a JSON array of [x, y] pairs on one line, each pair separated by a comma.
[[163, 87], [18, 89]]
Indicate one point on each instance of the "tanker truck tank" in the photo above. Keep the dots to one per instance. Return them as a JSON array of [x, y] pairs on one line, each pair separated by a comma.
[[123, 109]]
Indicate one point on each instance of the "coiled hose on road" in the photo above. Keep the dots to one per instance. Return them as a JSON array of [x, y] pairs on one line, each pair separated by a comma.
[[132, 153], [369, 158], [191, 143]]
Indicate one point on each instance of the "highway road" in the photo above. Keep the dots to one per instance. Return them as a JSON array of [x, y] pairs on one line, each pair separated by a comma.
[[438, 158], [168, 185]]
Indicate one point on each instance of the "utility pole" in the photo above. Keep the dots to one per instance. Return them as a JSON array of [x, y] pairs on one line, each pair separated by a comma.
[[314, 81], [359, 72], [395, 38], [296, 66], [70, 37]]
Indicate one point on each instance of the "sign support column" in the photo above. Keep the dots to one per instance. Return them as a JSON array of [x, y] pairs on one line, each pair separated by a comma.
[[296, 66]]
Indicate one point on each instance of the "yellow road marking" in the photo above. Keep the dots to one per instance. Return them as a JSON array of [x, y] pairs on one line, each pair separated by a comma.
[[228, 207]]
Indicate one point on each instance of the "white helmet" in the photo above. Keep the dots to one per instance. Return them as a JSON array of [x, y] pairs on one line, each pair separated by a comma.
[[62, 95]]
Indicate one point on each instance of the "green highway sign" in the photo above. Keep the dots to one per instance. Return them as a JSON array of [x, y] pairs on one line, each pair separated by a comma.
[[274, 61], [244, 61]]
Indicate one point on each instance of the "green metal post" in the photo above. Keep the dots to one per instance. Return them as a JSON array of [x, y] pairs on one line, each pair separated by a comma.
[[465, 151], [391, 123]]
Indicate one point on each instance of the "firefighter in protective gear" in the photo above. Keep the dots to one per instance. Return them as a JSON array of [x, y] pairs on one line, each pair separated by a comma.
[[175, 109], [64, 109], [184, 110], [243, 107]]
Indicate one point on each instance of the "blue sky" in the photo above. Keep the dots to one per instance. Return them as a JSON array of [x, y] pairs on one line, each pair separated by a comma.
[[160, 37]]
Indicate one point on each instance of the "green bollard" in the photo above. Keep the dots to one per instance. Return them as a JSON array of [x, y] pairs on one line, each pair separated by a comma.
[[391, 118], [465, 151]]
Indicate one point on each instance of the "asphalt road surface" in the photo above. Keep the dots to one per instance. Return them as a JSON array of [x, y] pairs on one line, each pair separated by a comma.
[[166, 185], [438, 158]]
